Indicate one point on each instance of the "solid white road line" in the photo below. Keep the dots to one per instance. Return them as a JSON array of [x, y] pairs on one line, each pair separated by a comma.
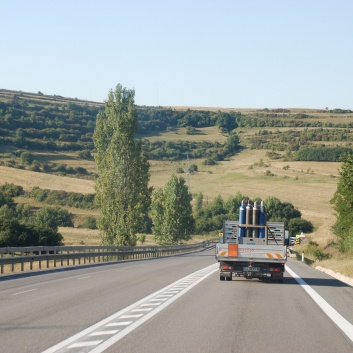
[[337, 318]]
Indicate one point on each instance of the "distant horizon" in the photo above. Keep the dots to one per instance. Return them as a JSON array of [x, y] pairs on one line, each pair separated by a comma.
[[171, 106]]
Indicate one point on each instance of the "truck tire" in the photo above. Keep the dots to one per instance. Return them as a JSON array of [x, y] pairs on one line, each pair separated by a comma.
[[222, 278], [276, 279]]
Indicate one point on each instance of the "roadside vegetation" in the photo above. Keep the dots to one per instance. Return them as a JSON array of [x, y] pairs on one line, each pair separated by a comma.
[[294, 156]]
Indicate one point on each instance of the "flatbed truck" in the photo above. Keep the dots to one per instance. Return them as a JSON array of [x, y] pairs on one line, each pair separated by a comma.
[[250, 256]]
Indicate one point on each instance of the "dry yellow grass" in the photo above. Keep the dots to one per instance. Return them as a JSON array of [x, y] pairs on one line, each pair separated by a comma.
[[309, 186], [28, 180], [80, 236], [211, 134]]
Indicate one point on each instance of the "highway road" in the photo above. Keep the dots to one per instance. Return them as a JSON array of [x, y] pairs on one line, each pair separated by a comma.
[[174, 304]]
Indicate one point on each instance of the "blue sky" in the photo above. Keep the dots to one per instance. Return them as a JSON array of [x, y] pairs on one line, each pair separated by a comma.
[[234, 54]]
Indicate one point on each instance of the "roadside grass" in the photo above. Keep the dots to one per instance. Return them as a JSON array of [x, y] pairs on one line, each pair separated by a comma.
[[80, 236]]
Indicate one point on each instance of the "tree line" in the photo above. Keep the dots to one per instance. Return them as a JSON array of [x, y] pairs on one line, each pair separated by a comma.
[[124, 198], [54, 126], [21, 226]]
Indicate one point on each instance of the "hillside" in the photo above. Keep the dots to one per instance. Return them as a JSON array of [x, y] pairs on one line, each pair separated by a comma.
[[269, 161]]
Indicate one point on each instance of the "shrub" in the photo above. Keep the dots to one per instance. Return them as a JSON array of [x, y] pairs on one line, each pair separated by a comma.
[[209, 161], [48, 217], [90, 223], [321, 255], [85, 154], [11, 190], [193, 168], [27, 158], [142, 238]]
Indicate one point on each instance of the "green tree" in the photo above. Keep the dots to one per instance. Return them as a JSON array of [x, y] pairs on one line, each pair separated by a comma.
[[298, 225], [199, 201], [226, 122], [14, 233], [343, 204], [27, 157], [278, 211], [232, 144], [122, 192], [172, 212], [90, 223], [52, 218], [217, 206]]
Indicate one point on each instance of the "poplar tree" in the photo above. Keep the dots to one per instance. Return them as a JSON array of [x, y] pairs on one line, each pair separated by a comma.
[[172, 212], [343, 204], [122, 193]]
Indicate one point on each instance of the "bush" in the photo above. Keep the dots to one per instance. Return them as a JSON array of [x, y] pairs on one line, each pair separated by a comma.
[[52, 218], [321, 255], [13, 233], [142, 238], [11, 190], [85, 154], [90, 223], [193, 168], [27, 158], [190, 130], [209, 161], [298, 225]]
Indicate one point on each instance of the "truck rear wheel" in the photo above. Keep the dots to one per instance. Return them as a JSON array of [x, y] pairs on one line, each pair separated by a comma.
[[277, 279]]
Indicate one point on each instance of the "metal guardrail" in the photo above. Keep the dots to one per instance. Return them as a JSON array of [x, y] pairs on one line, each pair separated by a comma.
[[54, 255]]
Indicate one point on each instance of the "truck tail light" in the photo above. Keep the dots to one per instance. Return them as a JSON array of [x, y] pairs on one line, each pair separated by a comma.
[[227, 267], [274, 269]]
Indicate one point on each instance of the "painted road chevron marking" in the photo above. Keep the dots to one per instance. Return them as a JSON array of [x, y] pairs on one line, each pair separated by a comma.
[[147, 307]]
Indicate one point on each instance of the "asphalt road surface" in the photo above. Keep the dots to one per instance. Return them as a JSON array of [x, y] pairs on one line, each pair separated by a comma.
[[174, 304]]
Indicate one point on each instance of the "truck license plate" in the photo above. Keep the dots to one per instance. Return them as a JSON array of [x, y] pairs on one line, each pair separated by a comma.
[[251, 269]]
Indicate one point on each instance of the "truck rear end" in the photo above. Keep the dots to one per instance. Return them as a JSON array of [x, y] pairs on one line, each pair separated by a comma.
[[251, 256]]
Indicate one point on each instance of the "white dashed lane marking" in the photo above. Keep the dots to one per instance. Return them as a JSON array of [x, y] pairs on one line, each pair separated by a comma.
[[26, 291], [138, 313]]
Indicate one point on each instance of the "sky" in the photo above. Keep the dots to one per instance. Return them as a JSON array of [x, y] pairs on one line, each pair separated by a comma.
[[195, 53]]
